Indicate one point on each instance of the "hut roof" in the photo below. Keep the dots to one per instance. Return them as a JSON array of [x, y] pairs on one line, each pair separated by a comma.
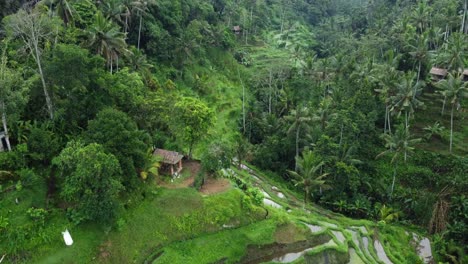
[[438, 71], [236, 28], [169, 157], [465, 72]]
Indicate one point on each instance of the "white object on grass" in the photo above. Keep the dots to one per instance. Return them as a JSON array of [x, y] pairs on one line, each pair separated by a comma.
[[67, 237]]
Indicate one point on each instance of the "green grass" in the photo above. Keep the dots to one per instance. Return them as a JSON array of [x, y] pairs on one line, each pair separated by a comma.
[[230, 244], [174, 215]]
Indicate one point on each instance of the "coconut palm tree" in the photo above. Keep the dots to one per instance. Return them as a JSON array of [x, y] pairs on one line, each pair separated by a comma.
[[454, 90], [387, 76], [455, 53], [419, 52], [421, 16], [324, 114], [300, 119], [106, 39], [405, 100], [62, 8], [398, 144], [309, 174]]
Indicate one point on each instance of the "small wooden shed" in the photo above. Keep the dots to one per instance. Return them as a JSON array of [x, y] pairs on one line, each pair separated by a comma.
[[236, 29], [171, 159], [438, 74]]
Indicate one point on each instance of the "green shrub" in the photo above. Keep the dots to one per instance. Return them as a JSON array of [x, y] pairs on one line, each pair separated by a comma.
[[199, 180]]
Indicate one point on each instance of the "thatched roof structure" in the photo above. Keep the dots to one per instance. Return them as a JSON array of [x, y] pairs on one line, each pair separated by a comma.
[[169, 157]]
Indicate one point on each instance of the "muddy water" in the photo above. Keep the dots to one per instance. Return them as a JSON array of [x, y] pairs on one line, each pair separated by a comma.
[[290, 257]]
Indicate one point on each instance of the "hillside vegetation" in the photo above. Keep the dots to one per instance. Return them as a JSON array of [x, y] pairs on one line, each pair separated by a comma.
[[312, 131]]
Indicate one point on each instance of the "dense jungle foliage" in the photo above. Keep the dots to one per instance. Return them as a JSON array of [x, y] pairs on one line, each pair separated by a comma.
[[333, 98]]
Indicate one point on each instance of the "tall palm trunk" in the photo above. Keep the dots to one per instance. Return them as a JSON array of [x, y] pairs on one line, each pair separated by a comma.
[[393, 181], [5, 127], [443, 105], [451, 127], [139, 29], [463, 24], [297, 146], [386, 116], [389, 122]]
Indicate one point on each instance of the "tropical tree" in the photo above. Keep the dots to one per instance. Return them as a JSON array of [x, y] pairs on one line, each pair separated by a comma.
[[91, 181], [419, 52], [405, 98], [309, 174], [34, 29], [300, 119], [192, 118], [454, 90], [106, 39], [62, 8], [387, 77], [454, 53], [325, 113], [119, 135], [421, 16], [398, 144]]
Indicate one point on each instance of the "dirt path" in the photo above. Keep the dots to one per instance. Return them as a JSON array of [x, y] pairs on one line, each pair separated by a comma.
[[213, 186]]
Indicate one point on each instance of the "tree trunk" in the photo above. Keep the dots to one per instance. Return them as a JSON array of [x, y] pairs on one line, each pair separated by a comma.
[[393, 182], [463, 24], [297, 146], [341, 134], [5, 126], [306, 194], [46, 93], [389, 122], [443, 105], [451, 127], [139, 30], [385, 122]]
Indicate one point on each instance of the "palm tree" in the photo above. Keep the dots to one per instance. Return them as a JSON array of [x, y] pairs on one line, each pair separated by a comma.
[[62, 8], [397, 144], [405, 99], [455, 53], [309, 174], [387, 76], [454, 90], [420, 52], [113, 10], [324, 113], [421, 16], [300, 119], [106, 39]]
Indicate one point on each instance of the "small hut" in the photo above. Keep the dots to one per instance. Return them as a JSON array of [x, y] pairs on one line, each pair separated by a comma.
[[237, 30], [465, 75], [170, 159], [438, 74], [3, 143]]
